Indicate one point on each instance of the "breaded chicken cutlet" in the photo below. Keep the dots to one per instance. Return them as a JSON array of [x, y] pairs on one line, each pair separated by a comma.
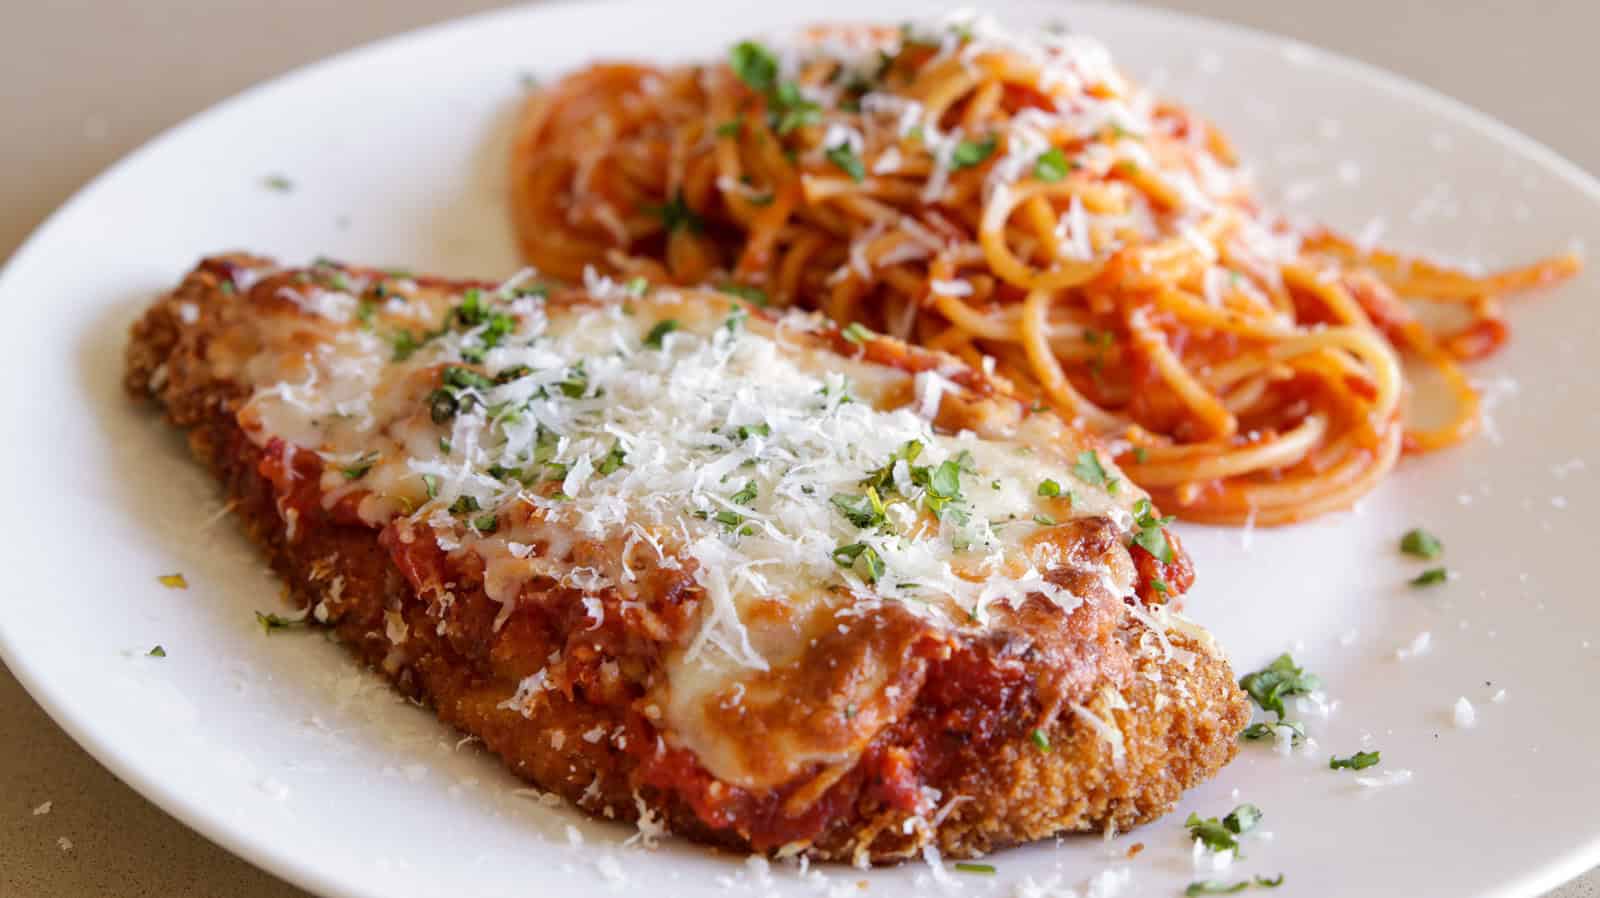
[[693, 564]]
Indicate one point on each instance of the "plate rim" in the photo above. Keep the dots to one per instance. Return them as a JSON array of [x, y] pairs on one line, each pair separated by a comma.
[[307, 873]]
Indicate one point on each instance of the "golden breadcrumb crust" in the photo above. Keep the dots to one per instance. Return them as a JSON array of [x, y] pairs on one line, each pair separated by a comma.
[[1176, 705]]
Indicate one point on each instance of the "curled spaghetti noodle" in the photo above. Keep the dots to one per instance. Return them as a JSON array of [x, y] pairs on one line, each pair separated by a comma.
[[1016, 198]]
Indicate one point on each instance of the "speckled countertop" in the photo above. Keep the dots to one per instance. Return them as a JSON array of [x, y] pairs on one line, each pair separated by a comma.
[[68, 828]]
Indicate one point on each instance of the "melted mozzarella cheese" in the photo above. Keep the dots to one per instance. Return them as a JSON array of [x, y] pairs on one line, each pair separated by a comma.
[[781, 473]]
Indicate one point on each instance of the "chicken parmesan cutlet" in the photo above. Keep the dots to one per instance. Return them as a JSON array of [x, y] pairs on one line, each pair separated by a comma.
[[688, 563]]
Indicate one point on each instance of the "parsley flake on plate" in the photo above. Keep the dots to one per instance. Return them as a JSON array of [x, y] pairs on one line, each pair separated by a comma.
[[1430, 577], [1214, 887], [1421, 544], [1361, 760], [1269, 686], [270, 622], [1263, 730]]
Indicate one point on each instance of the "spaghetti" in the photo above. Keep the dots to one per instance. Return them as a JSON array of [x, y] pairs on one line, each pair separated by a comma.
[[1016, 201]]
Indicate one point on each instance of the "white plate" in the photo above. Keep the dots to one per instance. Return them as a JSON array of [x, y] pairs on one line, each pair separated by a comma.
[[278, 749]]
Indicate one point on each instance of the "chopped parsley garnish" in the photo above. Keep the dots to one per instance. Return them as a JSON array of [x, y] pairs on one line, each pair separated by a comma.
[[486, 524], [464, 504], [1150, 536], [1421, 543], [466, 379], [745, 432], [943, 485], [576, 383], [1051, 166], [856, 332], [1214, 887], [1217, 887], [1269, 686], [676, 214], [405, 344], [1430, 577], [1361, 760], [442, 406], [1263, 730], [270, 622], [730, 128], [970, 152], [430, 483], [1044, 520], [755, 65], [1140, 453], [659, 332], [1242, 819], [745, 495], [1089, 469], [157, 652], [1220, 835], [969, 867], [1049, 488], [614, 459], [790, 108], [861, 558], [862, 511], [472, 310], [1211, 832], [173, 581], [279, 183], [359, 468], [883, 478], [758, 68], [848, 162], [751, 294], [945, 481], [1040, 740], [515, 372], [638, 285]]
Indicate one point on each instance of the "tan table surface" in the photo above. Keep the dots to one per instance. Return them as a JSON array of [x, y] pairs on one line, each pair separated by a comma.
[[84, 82]]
